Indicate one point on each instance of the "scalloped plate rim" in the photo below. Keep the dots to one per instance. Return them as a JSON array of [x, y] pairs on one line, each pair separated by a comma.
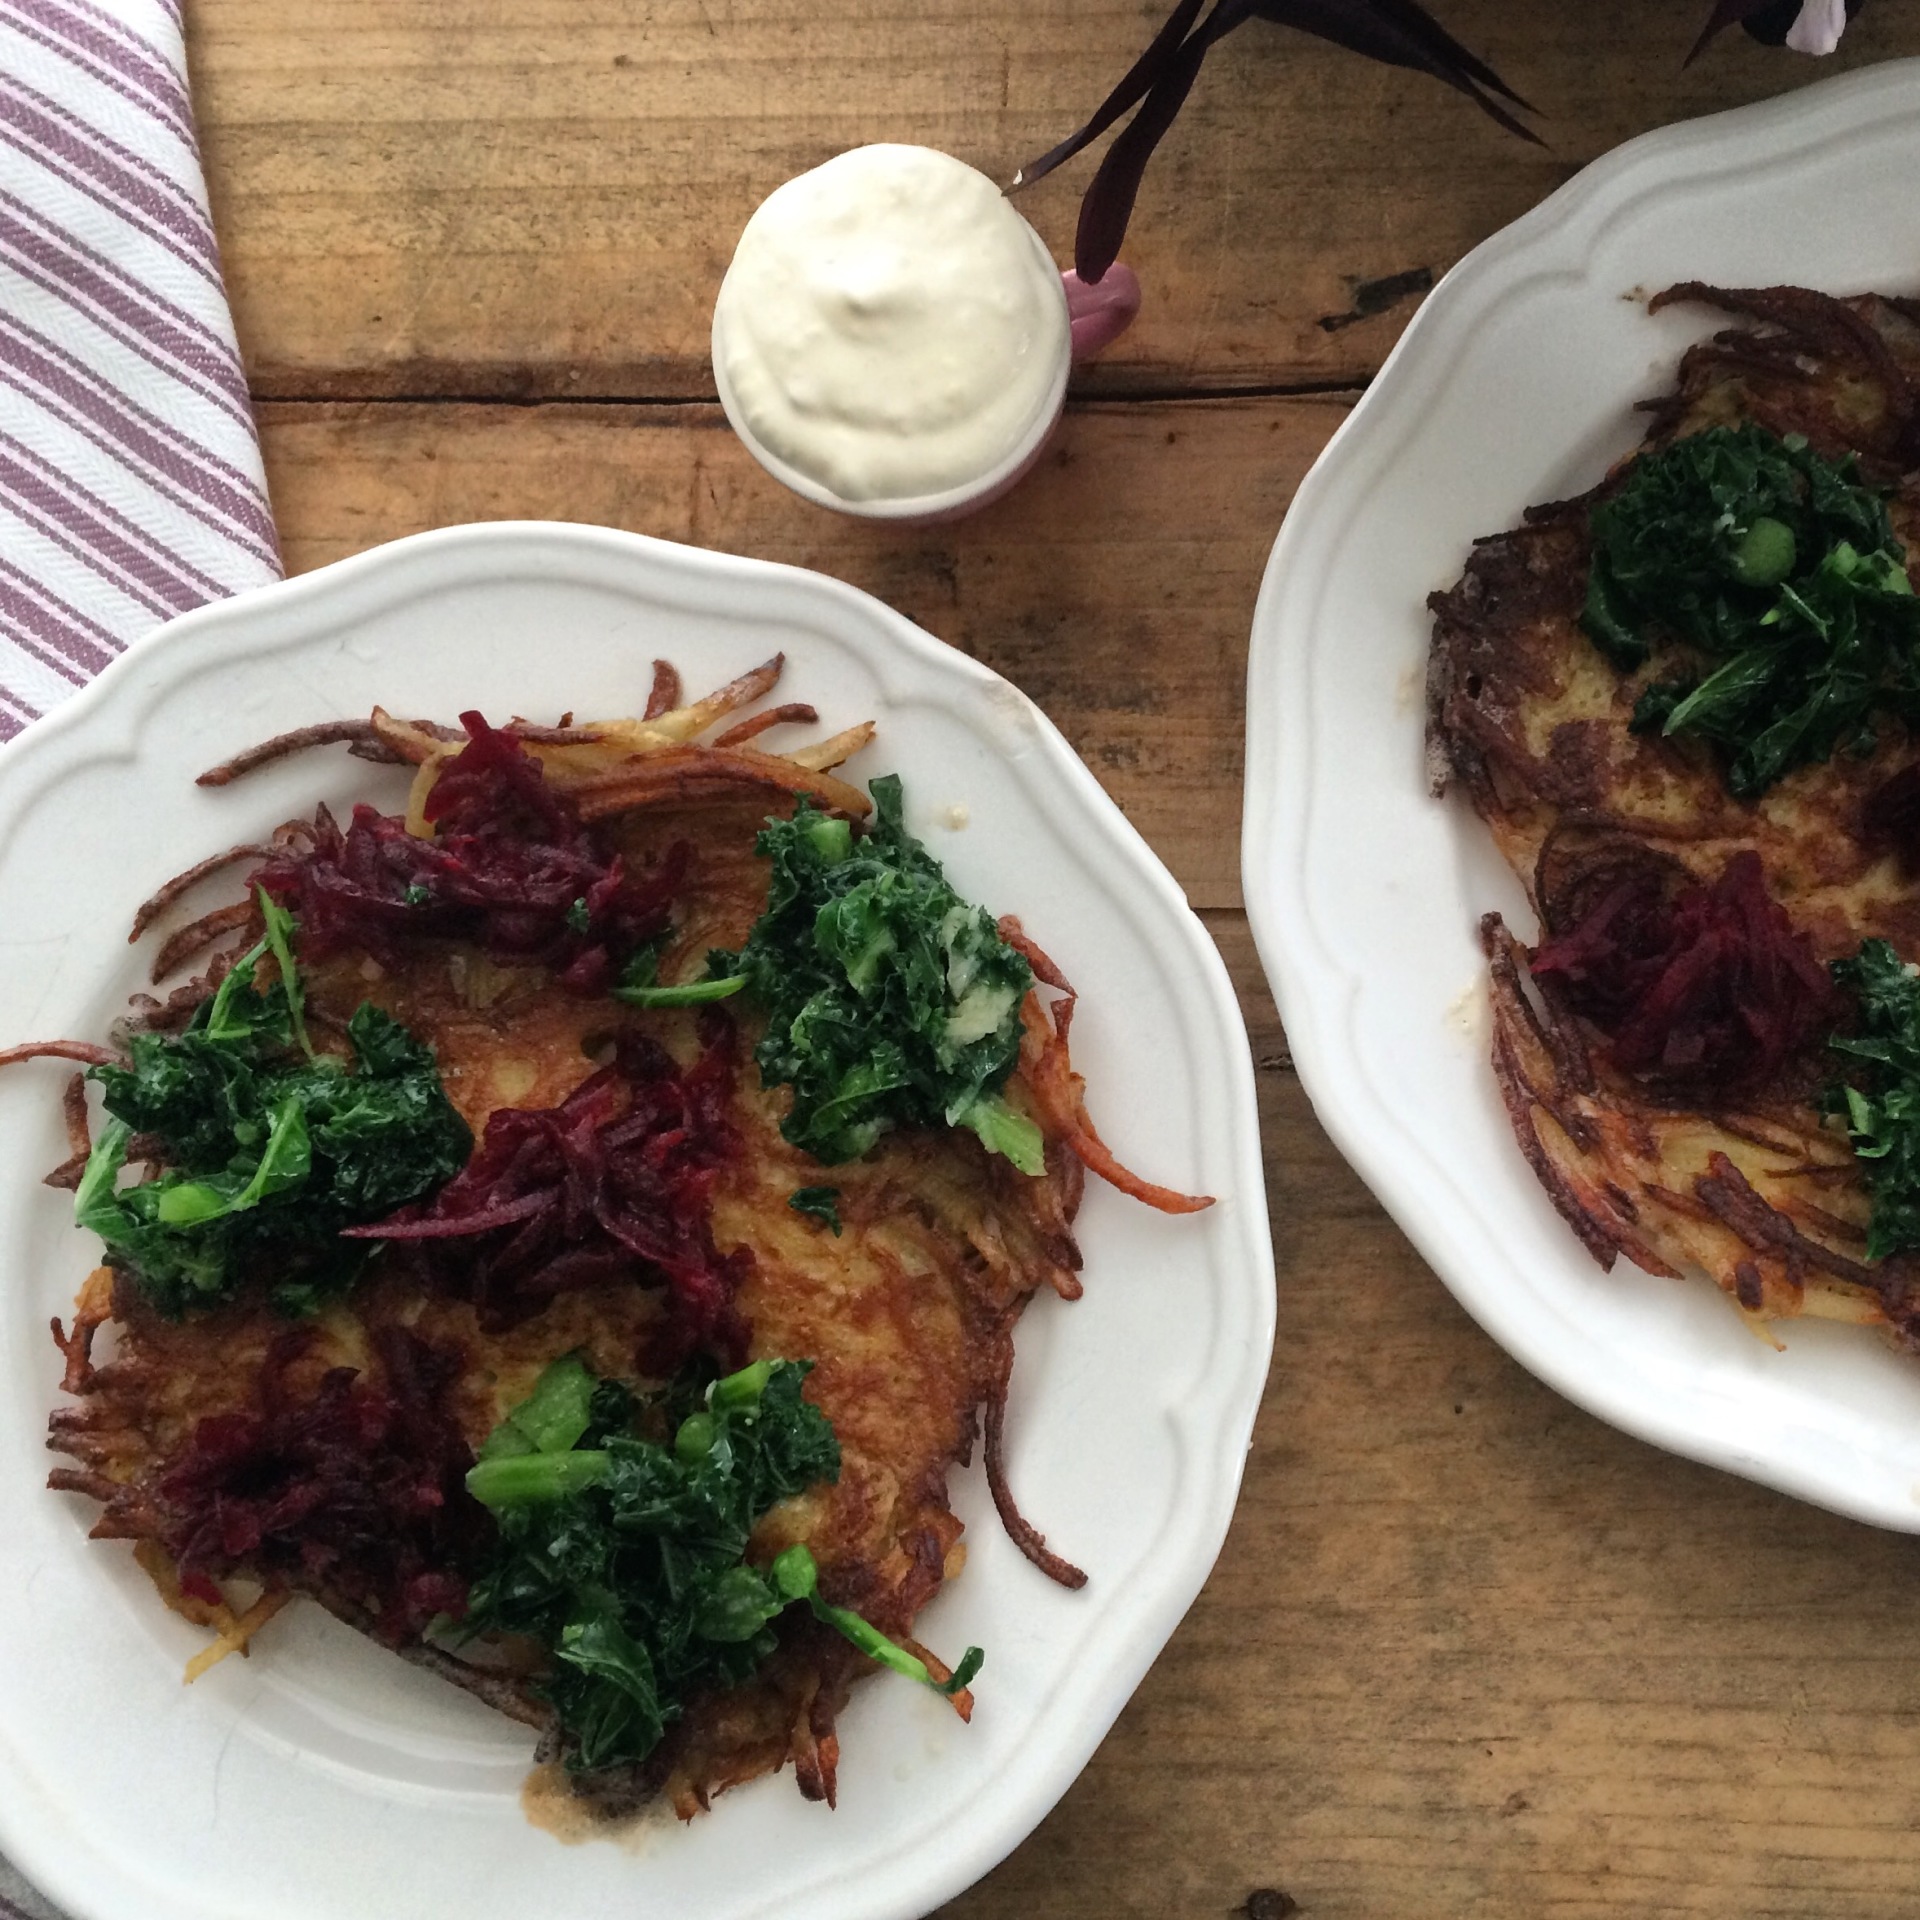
[[1317, 993], [903, 1880]]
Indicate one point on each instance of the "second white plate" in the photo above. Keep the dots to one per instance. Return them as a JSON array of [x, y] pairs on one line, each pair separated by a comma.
[[1516, 383]]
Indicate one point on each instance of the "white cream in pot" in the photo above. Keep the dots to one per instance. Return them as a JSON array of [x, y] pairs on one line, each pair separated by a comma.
[[890, 328]]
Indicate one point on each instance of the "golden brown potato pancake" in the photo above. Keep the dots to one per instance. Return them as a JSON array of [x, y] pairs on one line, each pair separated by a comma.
[[1531, 721], [907, 1315]]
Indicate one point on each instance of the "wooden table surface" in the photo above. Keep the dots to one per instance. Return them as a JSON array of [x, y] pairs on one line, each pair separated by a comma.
[[1467, 1652]]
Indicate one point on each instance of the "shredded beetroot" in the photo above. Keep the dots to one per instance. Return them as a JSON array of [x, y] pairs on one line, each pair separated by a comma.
[[511, 867], [358, 1491], [615, 1183], [1710, 986]]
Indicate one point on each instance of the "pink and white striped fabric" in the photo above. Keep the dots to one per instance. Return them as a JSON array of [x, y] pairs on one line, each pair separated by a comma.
[[130, 480], [131, 486]]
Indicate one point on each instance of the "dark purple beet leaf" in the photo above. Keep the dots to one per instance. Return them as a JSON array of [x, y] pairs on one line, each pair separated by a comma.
[[1399, 33]]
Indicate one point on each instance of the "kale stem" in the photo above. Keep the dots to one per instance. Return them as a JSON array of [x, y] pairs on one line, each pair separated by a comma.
[[531, 1479], [742, 1391], [796, 1576]]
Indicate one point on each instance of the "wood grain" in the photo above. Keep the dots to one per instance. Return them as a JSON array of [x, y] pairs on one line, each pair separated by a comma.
[[538, 199], [1468, 1654]]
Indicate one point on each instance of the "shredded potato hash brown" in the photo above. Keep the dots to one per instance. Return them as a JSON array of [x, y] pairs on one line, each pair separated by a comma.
[[909, 1313], [1530, 720]]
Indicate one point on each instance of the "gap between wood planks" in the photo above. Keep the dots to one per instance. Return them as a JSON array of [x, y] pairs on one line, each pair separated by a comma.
[[1140, 396]]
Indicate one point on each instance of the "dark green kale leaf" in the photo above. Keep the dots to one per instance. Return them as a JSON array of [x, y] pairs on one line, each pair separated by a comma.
[[1881, 1101], [270, 1148], [1702, 532], [821, 1203], [891, 1001], [1781, 566], [623, 1532]]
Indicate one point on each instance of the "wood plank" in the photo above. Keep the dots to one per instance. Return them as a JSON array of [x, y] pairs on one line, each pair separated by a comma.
[[1116, 586], [1469, 1654], [461, 198]]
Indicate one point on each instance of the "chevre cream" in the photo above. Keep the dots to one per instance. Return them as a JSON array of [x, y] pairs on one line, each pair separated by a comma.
[[890, 328]]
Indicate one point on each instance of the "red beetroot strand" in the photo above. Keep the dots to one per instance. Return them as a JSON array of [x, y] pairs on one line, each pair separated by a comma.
[[358, 1489], [1711, 988], [511, 868], [614, 1183]]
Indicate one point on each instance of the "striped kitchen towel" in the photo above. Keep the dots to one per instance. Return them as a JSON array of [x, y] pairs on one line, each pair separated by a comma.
[[130, 480]]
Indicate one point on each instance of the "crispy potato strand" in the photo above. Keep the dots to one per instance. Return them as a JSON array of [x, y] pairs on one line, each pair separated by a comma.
[[1021, 1531], [361, 733], [198, 935], [235, 1638], [157, 902], [1061, 1093], [689, 775], [794, 713], [831, 753], [83, 1050], [665, 693]]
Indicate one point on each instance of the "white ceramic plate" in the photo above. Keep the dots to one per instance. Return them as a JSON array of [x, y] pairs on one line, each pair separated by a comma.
[[1516, 383], [323, 1780]]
